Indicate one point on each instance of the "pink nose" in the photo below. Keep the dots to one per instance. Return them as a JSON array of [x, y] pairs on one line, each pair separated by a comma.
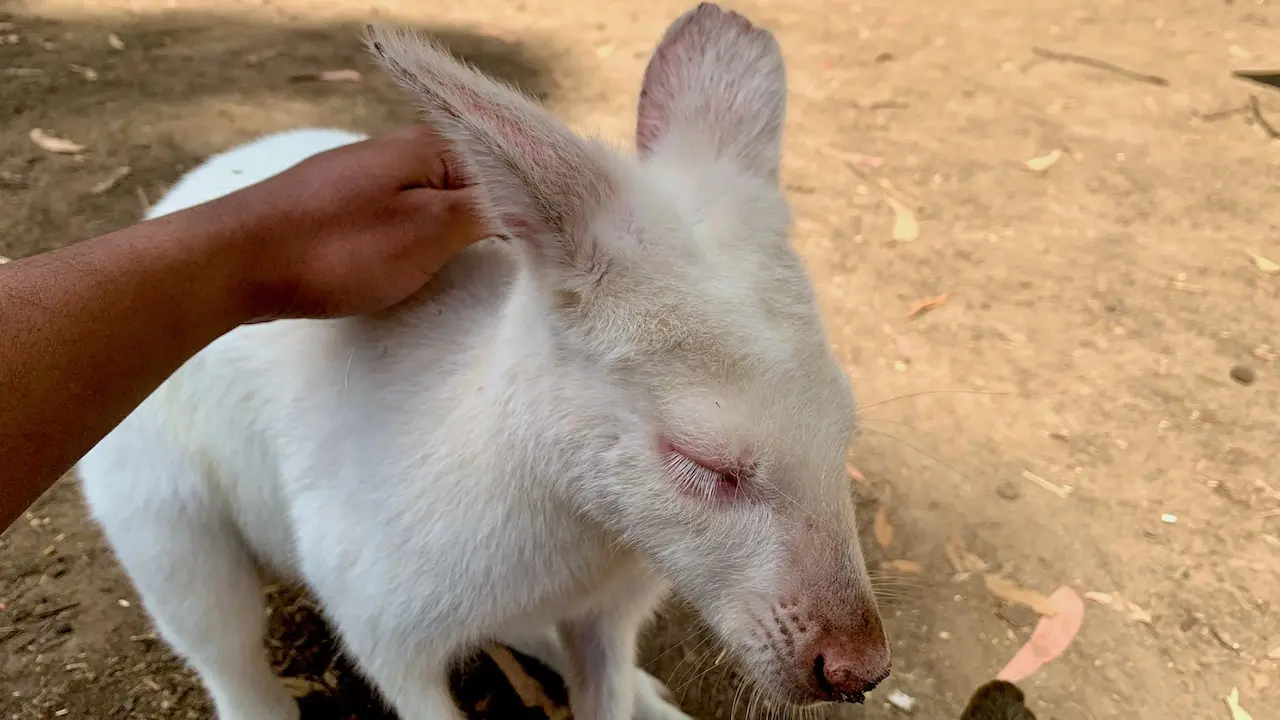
[[846, 672], [847, 679]]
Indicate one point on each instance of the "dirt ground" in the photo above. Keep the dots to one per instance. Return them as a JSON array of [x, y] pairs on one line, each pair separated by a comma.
[[1070, 414]]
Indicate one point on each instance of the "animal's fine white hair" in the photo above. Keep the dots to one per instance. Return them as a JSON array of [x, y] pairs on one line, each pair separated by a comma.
[[629, 389]]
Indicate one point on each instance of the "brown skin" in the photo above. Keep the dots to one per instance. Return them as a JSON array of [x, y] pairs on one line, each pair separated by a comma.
[[90, 330]]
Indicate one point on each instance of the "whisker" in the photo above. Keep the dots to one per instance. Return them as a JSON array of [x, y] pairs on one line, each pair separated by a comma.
[[675, 673], [702, 674], [931, 392], [697, 629], [887, 421], [891, 581], [693, 672], [737, 696], [932, 457]]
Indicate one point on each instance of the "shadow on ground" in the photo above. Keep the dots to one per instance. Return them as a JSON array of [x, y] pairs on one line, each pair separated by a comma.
[[175, 88]]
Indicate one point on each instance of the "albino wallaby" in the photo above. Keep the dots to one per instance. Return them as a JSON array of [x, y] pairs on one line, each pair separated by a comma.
[[627, 389]]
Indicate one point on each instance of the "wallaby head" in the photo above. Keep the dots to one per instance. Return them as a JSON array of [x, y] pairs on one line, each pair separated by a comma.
[[672, 273]]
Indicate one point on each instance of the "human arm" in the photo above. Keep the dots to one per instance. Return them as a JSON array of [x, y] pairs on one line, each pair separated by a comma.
[[91, 329]]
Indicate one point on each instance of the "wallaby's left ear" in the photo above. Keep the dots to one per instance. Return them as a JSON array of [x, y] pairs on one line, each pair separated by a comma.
[[540, 184], [716, 85]]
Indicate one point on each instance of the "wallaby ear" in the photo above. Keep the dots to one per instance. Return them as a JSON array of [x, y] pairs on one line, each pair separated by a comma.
[[540, 183], [716, 83]]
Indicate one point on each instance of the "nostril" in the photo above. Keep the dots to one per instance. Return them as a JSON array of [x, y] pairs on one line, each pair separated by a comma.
[[820, 674], [839, 680]]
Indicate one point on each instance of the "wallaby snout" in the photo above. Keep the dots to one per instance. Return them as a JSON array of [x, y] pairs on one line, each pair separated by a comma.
[[832, 621]]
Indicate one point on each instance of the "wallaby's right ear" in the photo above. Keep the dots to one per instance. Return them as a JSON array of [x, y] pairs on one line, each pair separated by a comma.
[[540, 183], [715, 84]]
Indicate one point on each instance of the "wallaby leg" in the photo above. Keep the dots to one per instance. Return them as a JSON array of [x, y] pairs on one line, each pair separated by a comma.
[[413, 679], [596, 656], [652, 698], [405, 655], [205, 595]]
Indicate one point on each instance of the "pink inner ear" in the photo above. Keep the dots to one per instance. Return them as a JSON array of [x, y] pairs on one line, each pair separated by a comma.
[[674, 71], [660, 86]]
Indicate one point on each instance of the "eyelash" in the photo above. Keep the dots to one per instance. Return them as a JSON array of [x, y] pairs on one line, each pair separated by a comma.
[[699, 480]]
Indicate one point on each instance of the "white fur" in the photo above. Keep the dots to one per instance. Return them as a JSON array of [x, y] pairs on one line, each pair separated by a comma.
[[490, 460]]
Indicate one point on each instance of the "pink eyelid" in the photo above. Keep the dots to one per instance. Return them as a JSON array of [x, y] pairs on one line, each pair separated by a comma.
[[733, 470]]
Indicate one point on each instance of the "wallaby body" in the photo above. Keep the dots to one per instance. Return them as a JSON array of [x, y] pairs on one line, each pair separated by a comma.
[[629, 389]]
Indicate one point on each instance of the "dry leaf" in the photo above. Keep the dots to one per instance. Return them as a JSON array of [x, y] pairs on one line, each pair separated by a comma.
[[1010, 591], [529, 690], [854, 158], [883, 528], [115, 42], [923, 306], [1233, 704], [111, 180], [87, 73], [1052, 636], [1270, 267], [343, 75], [1044, 162], [1133, 610], [907, 347], [857, 476], [961, 559], [54, 144], [902, 566], [301, 687], [905, 228], [1138, 614]]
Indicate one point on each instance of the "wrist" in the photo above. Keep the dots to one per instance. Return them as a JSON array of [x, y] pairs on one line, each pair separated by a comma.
[[244, 255]]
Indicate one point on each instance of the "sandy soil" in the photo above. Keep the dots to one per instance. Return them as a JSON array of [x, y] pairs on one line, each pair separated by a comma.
[[1069, 412]]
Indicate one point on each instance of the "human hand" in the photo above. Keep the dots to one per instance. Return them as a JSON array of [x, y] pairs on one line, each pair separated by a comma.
[[355, 229]]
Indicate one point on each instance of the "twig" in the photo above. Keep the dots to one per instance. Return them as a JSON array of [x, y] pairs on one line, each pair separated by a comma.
[[111, 180], [1099, 65], [46, 614], [1054, 488], [1255, 109], [1221, 114]]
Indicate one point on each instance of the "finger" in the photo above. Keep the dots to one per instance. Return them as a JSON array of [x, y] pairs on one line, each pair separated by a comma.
[[450, 219], [425, 158]]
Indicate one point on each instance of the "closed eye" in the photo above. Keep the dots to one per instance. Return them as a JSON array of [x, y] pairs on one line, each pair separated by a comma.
[[700, 478]]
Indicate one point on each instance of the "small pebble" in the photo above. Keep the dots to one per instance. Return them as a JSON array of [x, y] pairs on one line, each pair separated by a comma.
[[1169, 518], [902, 701], [1008, 491], [1018, 616], [1243, 374]]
